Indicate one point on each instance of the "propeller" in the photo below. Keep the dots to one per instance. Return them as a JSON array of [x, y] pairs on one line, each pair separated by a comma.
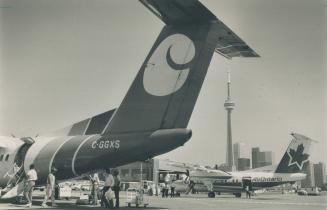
[[190, 183], [190, 187]]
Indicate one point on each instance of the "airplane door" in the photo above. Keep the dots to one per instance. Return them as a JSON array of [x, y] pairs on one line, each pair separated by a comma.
[[246, 181], [20, 156]]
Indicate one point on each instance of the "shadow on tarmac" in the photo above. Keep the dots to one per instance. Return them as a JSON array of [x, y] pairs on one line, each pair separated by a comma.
[[66, 206]]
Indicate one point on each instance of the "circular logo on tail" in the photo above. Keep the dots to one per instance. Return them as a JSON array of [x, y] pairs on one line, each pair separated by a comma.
[[169, 65]]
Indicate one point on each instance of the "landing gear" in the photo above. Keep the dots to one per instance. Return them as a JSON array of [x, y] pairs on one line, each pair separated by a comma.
[[211, 194], [237, 195]]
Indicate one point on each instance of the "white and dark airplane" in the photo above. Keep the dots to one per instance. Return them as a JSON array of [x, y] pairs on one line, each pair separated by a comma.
[[289, 170], [152, 118]]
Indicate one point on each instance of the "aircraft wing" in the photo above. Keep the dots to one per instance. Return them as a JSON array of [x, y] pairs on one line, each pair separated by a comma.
[[203, 173], [269, 168], [181, 12]]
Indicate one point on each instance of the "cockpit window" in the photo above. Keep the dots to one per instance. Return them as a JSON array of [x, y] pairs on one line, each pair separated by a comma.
[[7, 157], [1, 157]]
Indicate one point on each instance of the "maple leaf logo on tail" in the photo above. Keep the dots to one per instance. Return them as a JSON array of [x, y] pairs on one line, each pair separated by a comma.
[[297, 157]]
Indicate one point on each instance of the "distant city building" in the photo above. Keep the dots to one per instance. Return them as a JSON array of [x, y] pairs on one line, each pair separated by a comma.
[[236, 151], [260, 159], [255, 157], [265, 158], [243, 164], [319, 174], [309, 181], [241, 151], [229, 106]]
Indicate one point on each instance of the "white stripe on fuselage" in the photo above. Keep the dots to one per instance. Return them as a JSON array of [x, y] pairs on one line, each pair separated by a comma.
[[258, 177], [77, 150], [54, 154], [269, 176], [35, 149]]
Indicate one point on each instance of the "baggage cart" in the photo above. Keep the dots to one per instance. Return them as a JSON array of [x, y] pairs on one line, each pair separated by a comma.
[[136, 197]]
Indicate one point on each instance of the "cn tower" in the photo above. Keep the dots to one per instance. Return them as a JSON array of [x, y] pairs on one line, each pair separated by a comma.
[[229, 106]]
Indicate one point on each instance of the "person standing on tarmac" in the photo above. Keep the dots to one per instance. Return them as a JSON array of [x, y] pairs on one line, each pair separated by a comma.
[[247, 190], [95, 187], [50, 188], [117, 187], [108, 184], [172, 190], [31, 178]]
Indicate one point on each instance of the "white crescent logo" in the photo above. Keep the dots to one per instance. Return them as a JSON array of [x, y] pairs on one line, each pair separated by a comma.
[[169, 65]]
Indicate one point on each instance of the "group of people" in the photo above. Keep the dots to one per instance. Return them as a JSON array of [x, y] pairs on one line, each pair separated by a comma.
[[165, 191], [31, 178], [109, 192]]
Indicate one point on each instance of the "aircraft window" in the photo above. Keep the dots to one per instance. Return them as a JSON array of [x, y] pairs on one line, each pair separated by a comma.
[[7, 157], [1, 157]]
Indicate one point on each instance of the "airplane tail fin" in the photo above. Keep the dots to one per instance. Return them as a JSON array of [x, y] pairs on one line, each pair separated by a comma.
[[168, 83], [296, 156]]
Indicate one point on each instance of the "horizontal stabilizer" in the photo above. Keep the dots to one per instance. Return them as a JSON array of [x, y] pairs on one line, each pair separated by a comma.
[[176, 12], [230, 45], [173, 12]]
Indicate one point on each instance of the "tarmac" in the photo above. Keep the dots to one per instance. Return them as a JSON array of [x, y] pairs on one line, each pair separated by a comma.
[[264, 201]]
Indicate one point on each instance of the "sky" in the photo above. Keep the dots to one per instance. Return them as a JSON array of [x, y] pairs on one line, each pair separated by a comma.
[[64, 61]]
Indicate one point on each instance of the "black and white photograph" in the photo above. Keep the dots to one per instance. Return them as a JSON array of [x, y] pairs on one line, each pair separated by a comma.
[[163, 104]]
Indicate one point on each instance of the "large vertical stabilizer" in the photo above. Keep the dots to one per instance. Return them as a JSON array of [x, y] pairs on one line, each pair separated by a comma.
[[166, 87], [296, 156]]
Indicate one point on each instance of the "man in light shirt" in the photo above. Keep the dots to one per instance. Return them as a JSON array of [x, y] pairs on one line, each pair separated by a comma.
[[108, 184], [31, 178], [50, 188]]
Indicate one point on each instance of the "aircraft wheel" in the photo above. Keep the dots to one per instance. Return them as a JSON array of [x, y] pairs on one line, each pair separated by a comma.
[[211, 194], [237, 195]]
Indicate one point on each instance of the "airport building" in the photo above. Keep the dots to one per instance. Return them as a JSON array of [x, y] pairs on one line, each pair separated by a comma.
[[153, 170]]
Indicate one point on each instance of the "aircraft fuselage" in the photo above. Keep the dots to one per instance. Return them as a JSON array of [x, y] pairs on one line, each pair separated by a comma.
[[74, 156], [259, 180]]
